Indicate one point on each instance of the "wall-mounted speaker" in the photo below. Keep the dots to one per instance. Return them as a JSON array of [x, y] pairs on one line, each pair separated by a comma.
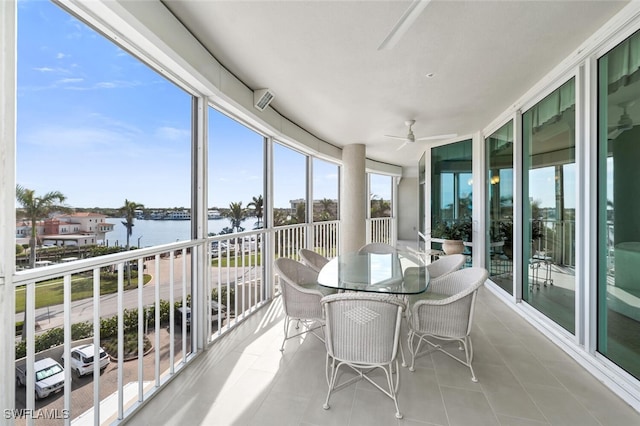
[[262, 98]]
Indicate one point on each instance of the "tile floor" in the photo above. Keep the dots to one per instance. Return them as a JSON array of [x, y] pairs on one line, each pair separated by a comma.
[[524, 379]]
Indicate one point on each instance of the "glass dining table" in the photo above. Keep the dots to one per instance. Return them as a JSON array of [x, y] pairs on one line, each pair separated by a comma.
[[391, 273]]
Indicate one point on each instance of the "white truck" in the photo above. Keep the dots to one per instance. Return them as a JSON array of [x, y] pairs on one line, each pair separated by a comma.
[[49, 377]]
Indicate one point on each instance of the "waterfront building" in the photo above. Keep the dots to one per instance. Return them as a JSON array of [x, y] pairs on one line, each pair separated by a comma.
[[78, 229]]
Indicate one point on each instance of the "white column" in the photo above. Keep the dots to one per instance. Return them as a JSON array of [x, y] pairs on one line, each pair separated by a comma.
[[7, 202], [353, 198]]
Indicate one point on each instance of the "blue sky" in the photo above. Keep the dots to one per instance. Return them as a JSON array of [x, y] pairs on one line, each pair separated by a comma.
[[100, 126]]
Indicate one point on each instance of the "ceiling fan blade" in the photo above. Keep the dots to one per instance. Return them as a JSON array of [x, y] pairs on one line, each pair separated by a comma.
[[402, 138], [403, 24], [401, 146], [430, 138]]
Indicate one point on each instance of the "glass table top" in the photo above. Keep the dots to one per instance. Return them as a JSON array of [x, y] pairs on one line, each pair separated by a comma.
[[393, 273]]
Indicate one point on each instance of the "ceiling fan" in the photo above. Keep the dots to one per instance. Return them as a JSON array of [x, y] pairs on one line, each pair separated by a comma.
[[624, 122], [404, 23], [411, 138]]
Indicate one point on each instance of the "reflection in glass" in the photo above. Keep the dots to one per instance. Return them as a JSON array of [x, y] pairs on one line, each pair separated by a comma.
[[618, 205], [499, 152], [451, 193], [549, 206]]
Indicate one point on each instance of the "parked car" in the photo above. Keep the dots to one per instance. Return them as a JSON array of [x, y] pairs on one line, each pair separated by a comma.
[[49, 377], [82, 360], [178, 315], [216, 309]]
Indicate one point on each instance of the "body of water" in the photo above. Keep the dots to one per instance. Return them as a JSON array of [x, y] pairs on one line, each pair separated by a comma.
[[156, 232]]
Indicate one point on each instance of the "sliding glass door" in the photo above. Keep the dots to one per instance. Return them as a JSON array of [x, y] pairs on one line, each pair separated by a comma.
[[451, 193], [549, 189], [619, 204], [499, 208]]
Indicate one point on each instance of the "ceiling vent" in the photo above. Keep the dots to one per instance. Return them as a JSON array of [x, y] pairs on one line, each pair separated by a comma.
[[262, 98]]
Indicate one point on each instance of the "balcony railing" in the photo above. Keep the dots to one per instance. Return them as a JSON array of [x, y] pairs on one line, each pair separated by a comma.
[[141, 301], [380, 230]]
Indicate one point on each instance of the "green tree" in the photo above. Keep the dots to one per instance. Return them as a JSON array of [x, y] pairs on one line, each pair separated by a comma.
[[257, 205], [236, 215], [380, 207], [37, 208], [301, 212], [129, 213], [326, 213]]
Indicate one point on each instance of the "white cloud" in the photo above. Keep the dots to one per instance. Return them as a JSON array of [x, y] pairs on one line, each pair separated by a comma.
[[70, 80], [45, 69], [173, 133], [61, 55]]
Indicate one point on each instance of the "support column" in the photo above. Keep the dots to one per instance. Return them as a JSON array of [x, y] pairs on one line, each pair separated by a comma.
[[8, 17], [353, 198]]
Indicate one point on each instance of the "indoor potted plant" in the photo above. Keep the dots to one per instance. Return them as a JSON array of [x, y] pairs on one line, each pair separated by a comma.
[[454, 233]]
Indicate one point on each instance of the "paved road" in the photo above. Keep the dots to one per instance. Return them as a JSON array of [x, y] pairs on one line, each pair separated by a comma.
[[82, 310]]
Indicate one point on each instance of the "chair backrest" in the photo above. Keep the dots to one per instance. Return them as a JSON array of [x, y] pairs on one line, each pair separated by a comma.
[[452, 315], [445, 265], [362, 327], [299, 298], [462, 281], [378, 248], [312, 259]]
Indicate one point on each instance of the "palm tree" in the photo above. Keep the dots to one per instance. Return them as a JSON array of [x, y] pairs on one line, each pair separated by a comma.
[[36, 208], [257, 205], [236, 215], [326, 209], [129, 212]]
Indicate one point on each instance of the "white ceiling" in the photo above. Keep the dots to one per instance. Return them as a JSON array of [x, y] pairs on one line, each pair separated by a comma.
[[321, 60]]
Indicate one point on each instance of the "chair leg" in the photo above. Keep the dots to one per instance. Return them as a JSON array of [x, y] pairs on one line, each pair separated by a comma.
[[393, 389], [468, 351], [414, 352], [332, 382], [286, 330]]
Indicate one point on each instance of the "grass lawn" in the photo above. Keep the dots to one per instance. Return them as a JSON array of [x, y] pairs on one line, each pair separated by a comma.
[[249, 260], [51, 292]]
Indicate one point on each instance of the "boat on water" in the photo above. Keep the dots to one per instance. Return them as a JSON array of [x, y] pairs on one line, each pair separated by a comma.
[[214, 214]]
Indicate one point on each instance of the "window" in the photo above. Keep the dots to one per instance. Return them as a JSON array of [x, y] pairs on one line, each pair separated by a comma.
[[549, 209], [289, 186], [380, 198], [451, 192], [618, 222], [499, 154], [236, 176], [325, 190], [89, 112]]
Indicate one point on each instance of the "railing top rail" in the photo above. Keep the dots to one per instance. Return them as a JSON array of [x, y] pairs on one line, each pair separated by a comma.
[[222, 237], [83, 265]]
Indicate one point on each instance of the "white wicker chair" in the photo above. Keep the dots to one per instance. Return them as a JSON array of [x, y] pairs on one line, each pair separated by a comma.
[[363, 331], [301, 296], [312, 259], [445, 265], [445, 312], [378, 248]]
